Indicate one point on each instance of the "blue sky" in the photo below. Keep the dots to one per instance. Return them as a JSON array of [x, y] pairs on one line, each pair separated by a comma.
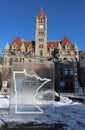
[[65, 18]]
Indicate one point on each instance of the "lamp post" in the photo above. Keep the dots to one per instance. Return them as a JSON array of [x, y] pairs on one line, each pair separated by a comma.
[[75, 79], [57, 65]]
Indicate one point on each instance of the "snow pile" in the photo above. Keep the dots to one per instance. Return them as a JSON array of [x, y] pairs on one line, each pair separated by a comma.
[[4, 101], [64, 101], [66, 112], [46, 98]]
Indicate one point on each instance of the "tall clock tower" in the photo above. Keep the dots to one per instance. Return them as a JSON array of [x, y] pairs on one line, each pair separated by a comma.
[[41, 35]]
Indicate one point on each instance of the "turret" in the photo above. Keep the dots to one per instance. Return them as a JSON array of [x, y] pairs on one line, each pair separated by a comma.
[[6, 49]]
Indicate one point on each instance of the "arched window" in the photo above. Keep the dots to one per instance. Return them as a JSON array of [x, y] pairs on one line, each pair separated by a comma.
[[14, 47]]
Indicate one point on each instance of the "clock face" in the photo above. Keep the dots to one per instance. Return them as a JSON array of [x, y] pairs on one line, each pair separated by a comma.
[[41, 26]]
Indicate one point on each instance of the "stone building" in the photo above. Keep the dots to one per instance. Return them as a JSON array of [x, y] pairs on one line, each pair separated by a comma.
[[82, 69], [82, 58], [39, 50]]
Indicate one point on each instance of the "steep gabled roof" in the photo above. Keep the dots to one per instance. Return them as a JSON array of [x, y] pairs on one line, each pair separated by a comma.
[[58, 45], [55, 44], [41, 13], [17, 41], [65, 41]]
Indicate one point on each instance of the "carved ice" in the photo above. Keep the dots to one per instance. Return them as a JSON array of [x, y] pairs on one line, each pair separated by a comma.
[[29, 75], [30, 84]]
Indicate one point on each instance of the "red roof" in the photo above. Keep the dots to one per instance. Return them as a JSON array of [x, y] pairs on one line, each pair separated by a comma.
[[19, 43], [27, 44], [65, 41], [54, 44], [49, 43], [41, 13]]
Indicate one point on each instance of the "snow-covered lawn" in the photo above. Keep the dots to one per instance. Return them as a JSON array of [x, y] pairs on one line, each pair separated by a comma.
[[70, 114]]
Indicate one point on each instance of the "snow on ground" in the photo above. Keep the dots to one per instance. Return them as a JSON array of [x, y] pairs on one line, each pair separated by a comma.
[[70, 114], [4, 101]]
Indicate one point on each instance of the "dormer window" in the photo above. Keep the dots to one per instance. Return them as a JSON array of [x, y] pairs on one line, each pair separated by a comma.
[[52, 47], [14, 47], [30, 47], [67, 46]]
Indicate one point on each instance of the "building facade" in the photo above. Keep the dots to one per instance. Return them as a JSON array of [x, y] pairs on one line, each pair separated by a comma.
[[39, 50], [82, 58], [82, 69]]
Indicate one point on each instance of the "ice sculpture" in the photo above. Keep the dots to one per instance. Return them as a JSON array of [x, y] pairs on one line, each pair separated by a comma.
[[32, 87]]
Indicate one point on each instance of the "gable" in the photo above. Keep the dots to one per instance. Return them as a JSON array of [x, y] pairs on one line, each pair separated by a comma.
[[66, 41]]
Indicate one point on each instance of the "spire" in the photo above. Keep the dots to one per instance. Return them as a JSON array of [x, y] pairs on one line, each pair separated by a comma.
[[59, 46], [75, 46], [22, 46], [41, 13], [6, 46]]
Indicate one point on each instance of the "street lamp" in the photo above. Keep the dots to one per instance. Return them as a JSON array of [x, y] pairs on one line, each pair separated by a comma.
[[56, 62], [75, 79]]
